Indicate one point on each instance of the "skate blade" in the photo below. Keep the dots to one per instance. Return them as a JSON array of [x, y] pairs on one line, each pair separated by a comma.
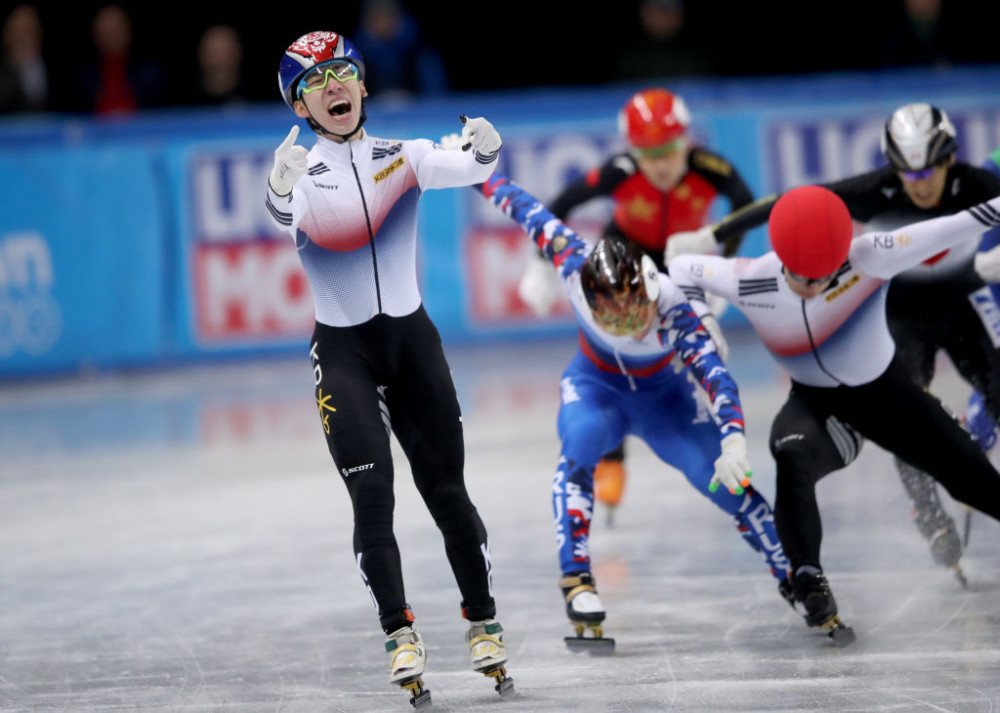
[[419, 696], [838, 631], [505, 684], [596, 646], [960, 575]]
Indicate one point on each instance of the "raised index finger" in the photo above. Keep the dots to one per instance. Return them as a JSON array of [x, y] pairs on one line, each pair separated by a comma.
[[290, 139]]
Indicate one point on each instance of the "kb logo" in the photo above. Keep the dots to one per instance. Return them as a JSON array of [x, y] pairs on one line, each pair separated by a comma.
[[30, 320]]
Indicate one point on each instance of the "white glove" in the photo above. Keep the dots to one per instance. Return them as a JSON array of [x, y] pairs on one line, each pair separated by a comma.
[[290, 164], [732, 469], [987, 264], [715, 332], [539, 286], [450, 142], [690, 242], [480, 135]]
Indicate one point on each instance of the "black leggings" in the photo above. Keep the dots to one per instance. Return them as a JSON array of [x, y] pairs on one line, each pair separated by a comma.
[[390, 372], [927, 317], [892, 412]]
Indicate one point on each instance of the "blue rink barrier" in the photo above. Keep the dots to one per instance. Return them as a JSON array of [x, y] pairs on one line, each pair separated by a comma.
[[146, 241]]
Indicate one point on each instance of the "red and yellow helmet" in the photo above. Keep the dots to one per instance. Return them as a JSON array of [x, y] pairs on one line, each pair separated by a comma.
[[653, 117]]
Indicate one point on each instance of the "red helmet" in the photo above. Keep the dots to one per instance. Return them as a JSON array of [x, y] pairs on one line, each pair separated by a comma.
[[811, 231], [652, 118]]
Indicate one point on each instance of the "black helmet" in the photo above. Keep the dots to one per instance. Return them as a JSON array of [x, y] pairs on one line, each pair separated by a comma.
[[620, 283], [918, 136]]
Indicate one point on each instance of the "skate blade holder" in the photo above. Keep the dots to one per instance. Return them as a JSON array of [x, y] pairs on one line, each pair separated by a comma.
[[596, 645], [419, 696], [504, 683], [838, 631]]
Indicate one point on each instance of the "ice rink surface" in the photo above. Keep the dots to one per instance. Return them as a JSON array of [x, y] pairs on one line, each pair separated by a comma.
[[180, 541]]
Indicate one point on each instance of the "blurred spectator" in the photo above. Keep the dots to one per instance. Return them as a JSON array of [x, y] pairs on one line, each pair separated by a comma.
[[923, 36], [398, 62], [220, 68], [117, 82], [664, 49], [24, 81]]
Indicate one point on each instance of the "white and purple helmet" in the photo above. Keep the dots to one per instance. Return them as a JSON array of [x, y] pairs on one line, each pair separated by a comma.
[[311, 50], [918, 136]]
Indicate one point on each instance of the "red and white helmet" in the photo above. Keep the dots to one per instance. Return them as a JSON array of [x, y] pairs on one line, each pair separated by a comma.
[[309, 51], [652, 118]]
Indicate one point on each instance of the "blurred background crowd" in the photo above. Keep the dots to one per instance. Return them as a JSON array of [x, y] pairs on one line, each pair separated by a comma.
[[94, 58]]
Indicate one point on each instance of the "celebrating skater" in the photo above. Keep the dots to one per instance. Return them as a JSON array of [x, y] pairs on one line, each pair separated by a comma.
[[376, 356], [818, 304], [634, 323]]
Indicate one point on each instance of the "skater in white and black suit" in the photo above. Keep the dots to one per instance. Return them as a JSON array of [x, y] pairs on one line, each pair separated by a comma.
[[941, 303], [351, 205], [818, 304]]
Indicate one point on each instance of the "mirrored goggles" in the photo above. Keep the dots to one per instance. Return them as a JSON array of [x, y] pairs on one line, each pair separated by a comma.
[[626, 317], [917, 175], [319, 76], [809, 281], [925, 173], [662, 150]]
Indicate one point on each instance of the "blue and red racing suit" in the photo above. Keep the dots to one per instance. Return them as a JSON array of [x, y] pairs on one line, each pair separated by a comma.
[[617, 386]]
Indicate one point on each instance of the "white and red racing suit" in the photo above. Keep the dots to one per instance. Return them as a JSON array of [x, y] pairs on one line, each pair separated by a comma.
[[377, 358]]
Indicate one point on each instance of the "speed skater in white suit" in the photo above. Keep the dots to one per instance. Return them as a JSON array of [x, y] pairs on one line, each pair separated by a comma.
[[818, 303], [350, 203]]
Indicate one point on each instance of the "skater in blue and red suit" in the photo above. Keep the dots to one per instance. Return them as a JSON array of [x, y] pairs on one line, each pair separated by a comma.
[[634, 325], [661, 185]]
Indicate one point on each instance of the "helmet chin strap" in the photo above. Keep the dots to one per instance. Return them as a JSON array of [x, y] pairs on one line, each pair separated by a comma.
[[315, 125]]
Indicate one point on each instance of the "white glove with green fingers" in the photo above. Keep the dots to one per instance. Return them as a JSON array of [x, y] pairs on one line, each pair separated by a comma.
[[732, 469]]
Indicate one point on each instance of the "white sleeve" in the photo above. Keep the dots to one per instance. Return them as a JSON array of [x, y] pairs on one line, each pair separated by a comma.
[[285, 211], [698, 274], [884, 255], [437, 167]]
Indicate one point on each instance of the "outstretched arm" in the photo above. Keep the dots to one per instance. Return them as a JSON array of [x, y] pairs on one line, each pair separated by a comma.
[[890, 253], [556, 240], [688, 335]]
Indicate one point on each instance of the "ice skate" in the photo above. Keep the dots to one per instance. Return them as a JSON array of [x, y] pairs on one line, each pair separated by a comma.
[[786, 591], [812, 591], [585, 612], [407, 664], [936, 525], [946, 549], [609, 484], [485, 639]]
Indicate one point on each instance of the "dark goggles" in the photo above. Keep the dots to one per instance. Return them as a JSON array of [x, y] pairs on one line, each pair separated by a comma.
[[809, 281], [319, 76]]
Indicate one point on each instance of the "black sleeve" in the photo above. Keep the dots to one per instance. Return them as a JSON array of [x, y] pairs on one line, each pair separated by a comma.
[[728, 182], [862, 194], [866, 195], [733, 226], [985, 183], [598, 182]]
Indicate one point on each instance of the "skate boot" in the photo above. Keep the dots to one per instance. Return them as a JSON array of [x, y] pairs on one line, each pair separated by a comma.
[[812, 591], [936, 525], [786, 591], [407, 664], [485, 639], [609, 484], [585, 611]]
